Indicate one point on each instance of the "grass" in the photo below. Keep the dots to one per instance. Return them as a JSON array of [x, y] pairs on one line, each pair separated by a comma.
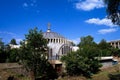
[[102, 75], [5, 73]]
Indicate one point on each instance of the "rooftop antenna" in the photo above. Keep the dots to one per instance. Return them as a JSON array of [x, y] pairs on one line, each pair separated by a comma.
[[48, 25]]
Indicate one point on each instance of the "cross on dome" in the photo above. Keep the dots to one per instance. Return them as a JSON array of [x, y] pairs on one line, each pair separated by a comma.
[[48, 25]]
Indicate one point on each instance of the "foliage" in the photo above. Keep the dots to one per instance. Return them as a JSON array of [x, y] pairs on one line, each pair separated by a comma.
[[3, 54], [104, 45], [1, 44], [13, 55], [113, 10], [79, 64], [116, 52], [105, 48], [13, 42], [34, 52], [83, 62], [88, 40]]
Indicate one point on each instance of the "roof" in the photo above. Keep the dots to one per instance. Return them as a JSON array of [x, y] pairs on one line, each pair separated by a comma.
[[52, 35]]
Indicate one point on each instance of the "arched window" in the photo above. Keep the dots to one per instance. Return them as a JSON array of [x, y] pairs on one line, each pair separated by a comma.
[[51, 40], [54, 40], [59, 40], [48, 40]]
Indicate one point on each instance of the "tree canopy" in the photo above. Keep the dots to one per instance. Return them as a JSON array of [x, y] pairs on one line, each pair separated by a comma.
[[34, 55], [13, 42], [83, 62], [1, 44], [88, 40], [113, 10]]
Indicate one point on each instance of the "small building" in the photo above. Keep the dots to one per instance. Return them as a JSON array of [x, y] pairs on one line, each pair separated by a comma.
[[14, 46], [115, 43]]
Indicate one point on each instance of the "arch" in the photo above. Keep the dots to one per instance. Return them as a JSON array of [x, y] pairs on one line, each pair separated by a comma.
[[63, 46]]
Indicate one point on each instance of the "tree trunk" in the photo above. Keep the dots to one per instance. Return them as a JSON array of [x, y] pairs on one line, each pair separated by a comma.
[[31, 75]]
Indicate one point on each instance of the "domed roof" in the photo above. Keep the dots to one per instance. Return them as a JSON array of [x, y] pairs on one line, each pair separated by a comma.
[[51, 35]]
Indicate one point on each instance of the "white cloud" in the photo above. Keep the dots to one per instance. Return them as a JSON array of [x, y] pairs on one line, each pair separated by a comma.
[[9, 33], [88, 5], [105, 31], [76, 41], [104, 21]]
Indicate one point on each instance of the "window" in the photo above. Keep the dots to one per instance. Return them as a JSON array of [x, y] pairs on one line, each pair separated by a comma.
[[50, 52]]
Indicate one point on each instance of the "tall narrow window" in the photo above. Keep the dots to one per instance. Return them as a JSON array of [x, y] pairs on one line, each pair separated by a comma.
[[54, 40], [48, 40], [51, 53]]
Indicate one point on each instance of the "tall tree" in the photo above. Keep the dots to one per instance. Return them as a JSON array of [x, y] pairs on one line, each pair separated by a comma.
[[105, 48], [83, 61], [13, 42], [88, 40], [3, 55], [113, 10], [34, 55], [1, 44], [13, 55], [104, 45]]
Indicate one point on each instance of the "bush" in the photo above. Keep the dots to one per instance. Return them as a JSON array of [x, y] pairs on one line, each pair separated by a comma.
[[78, 64], [114, 76]]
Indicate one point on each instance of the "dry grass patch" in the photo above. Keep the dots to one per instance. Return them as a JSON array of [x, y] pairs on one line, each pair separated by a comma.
[[103, 74]]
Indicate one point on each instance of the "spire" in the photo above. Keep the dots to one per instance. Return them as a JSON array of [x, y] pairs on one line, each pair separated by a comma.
[[48, 25]]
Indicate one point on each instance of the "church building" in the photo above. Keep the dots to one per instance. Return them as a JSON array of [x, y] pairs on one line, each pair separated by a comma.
[[58, 45]]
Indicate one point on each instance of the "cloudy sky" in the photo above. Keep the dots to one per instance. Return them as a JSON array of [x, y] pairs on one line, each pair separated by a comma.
[[71, 18]]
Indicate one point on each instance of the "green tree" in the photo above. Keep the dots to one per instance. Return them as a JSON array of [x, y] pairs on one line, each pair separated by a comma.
[[3, 54], [1, 44], [104, 45], [113, 10], [13, 55], [105, 48], [83, 61], [88, 40], [34, 55], [13, 42]]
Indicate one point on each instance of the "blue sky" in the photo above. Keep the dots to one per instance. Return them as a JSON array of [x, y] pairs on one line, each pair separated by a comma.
[[71, 18]]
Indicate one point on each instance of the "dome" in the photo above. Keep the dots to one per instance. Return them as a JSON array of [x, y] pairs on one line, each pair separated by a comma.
[[51, 35]]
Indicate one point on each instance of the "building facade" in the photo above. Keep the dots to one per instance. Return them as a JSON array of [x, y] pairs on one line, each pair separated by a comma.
[[58, 45], [115, 43]]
